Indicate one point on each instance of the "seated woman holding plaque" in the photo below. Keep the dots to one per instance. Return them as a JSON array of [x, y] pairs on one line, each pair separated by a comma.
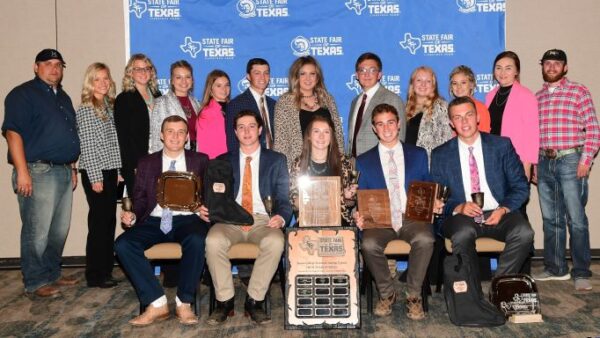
[[321, 157]]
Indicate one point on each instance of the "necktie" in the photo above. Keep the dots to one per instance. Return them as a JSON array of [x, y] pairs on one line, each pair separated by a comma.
[[265, 117], [474, 172], [166, 220], [395, 195], [247, 191], [359, 116]]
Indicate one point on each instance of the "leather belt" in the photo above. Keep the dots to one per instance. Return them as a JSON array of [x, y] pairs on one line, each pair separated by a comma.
[[553, 154]]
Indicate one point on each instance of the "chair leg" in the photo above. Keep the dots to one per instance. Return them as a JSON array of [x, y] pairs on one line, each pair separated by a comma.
[[268, 303], [368, 289], [212, 298], [282, 280]]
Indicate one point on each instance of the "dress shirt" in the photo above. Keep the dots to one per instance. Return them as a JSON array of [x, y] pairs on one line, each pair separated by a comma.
[[489, 202], [257, 97], [257, 204], [370, 92], [180, 165], [384, 157]]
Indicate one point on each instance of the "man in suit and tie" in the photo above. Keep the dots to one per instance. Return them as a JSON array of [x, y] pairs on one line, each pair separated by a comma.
[[393, 165], [479, 162], [154, 225], [254, 99], [257, 173], [360, 135]]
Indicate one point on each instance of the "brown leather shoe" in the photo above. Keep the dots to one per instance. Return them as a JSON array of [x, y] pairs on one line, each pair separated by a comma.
[[384, 306], [186, 315], [151, 315], [414, 308], [46, 291], [66, 281]]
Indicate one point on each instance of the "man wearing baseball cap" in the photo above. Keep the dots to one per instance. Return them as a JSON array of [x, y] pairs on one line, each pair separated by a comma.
[[43, 146], [569, 140]]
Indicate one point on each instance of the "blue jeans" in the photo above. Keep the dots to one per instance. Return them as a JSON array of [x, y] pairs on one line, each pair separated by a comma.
[[563, 197], [46, 217]]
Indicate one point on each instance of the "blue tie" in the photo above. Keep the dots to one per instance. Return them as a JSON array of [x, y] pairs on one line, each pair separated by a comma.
[[166, 220]]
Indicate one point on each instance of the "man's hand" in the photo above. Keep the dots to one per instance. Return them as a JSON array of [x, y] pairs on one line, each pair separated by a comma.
[[97, 187], [203, 213], [438, 206], [360, 221], [583, 170], [469, 209], [276, 222], [534, 177], [24, 184], [495, 217], [127, 218]]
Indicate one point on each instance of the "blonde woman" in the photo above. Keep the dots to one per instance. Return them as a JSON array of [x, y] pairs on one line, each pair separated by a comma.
[[132, 114], [99, 164], [306, 97], [210, 125], [427, 123], [462, 83]]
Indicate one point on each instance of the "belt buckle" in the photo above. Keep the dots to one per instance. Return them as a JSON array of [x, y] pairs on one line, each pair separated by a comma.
[[550, 153]]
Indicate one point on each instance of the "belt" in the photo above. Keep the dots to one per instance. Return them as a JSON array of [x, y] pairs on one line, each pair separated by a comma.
[[50, 163], [555, 154]]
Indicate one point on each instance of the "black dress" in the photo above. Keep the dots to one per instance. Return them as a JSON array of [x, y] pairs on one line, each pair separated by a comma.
[[412, 129], [306, 116]]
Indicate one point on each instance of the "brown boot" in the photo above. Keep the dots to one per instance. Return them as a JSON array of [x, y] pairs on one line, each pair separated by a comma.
[[186, 315], [151, 315], [46, 291], [384, 306], [414, 308], [66, 281]]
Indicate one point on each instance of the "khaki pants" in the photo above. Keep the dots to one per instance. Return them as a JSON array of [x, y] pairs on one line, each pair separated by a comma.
[[222, 236]]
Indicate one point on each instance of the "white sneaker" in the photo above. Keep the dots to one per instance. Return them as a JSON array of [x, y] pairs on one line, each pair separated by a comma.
[[544, 276], [582, 284]]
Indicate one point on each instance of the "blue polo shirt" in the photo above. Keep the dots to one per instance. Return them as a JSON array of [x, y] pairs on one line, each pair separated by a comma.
[[45, 121]]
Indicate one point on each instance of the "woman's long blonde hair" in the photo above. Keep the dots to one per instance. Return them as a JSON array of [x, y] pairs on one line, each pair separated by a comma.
[[87, 92], [129, 84], [294, 79], [412, 107]]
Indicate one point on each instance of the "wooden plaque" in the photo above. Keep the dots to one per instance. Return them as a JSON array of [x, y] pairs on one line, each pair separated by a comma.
[[374, 206], [421, 198], [319, 201], [178, 190]]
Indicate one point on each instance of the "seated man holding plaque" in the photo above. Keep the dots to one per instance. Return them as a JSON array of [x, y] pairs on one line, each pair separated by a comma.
[[393, 165], [488, 186], [321, 157], [151, 224], [258, 174]]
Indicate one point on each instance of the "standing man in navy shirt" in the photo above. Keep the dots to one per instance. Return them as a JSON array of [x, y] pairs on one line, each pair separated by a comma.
[[43, 146]]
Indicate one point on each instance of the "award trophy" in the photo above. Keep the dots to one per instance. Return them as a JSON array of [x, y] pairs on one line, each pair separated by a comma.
[[268, 202], [477, 198], [126, 205]]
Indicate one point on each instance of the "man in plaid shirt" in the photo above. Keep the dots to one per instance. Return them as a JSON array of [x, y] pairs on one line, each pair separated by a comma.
[[569, 140]]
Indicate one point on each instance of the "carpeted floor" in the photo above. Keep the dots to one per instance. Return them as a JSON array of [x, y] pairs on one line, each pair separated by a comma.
[[85, 312]]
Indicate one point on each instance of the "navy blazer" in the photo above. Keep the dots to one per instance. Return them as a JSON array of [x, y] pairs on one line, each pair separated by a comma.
[[148, 172], [273, 179], [504, 171], [416, 167], [245, 101]]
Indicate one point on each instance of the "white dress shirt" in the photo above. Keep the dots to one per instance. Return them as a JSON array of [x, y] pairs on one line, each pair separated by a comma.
[[489, 202], [399, 159], [370, 92]]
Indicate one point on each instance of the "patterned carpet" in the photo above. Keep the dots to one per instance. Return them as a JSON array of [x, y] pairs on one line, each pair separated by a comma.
[[85, 312]]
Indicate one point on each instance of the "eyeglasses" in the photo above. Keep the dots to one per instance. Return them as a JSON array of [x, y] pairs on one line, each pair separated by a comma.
[[368, 70], [142, 70]]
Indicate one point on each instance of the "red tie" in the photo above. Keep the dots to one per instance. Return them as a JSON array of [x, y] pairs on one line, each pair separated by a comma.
[[359, 117]]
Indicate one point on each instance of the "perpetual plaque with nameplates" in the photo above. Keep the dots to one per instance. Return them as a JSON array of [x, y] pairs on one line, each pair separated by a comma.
[[319, 201], [421, 200], [374, 207], [178, 190]]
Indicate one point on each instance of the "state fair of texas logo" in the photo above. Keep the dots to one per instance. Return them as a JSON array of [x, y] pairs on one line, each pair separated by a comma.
[[191, 47], [356, 5], [410, 43], [300, 46]]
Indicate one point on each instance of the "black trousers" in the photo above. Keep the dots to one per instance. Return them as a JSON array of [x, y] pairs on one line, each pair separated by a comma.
[[102, 219]]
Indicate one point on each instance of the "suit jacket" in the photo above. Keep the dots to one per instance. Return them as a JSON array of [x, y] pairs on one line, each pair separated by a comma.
[[503, 171], [416, 167], [520, 121], [167, 105], [149, 170], [273, 179], [133, 127], [366, 138], [245, 101]]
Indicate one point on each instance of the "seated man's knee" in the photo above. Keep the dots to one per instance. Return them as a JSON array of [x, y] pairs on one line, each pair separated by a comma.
[[274, 241]]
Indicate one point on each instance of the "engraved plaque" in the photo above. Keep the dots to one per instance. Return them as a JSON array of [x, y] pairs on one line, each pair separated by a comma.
[[178, 190], [319, 201], [421, 198], [374, 206]]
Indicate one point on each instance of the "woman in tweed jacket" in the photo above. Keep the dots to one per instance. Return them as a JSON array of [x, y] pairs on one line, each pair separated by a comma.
[[427, 123], [307, 97], [178, 101], [100, 164]]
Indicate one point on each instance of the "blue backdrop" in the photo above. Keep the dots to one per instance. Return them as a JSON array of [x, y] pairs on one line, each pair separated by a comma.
[[404, 33]]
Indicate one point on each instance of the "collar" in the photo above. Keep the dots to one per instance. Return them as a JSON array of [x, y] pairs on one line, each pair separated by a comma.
[[563, 82], [40, 83], [475, 145], [384, 149], [255, 155], [371, 91], [178, 158], [257, 96]]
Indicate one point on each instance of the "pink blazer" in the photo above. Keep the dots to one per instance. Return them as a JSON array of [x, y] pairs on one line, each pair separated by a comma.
[[210, 130], [520, 121]]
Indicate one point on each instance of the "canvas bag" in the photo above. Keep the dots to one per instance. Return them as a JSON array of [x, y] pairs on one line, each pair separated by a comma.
[[464, 297]]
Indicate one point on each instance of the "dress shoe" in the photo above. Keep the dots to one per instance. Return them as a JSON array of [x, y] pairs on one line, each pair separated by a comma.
[[66, 281], [384, 306], [186, 315], [105, 284], [220, 314], [255, 309], [46, 291], [151, 315]]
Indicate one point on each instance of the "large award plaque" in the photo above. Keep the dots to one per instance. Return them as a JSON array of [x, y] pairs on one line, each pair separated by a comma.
[[516, 295], [319, 201], [322, 278], [374, 206], [420, 201], [178, 190]]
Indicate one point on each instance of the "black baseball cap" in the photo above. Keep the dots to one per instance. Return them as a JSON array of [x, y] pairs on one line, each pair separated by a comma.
[[554, 54], [49, 54]]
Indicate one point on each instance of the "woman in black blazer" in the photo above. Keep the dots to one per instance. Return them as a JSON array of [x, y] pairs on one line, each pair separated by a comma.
[[132, 108]]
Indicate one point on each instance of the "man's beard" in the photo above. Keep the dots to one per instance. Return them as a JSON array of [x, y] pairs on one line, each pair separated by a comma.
[[553, 78]]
